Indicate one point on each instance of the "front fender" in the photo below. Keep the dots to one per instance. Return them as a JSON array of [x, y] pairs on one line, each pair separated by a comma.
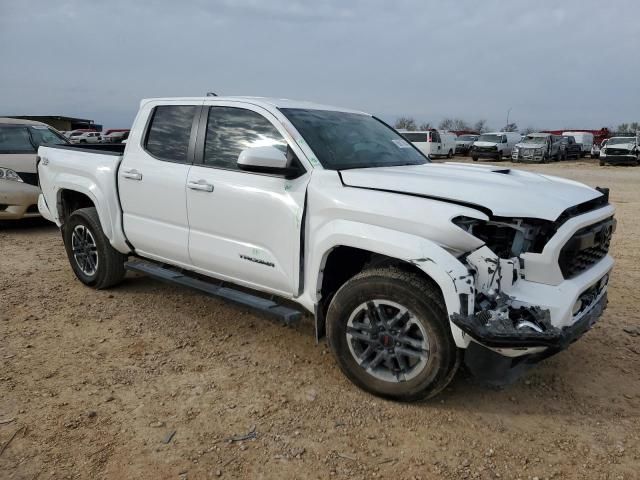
[[445, 269]]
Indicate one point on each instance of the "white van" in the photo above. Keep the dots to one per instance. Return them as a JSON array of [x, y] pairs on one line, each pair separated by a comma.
[[496, 145], [585, 139], [435, 143]]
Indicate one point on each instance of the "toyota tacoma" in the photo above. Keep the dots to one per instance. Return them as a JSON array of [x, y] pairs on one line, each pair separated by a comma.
[[409, 268]]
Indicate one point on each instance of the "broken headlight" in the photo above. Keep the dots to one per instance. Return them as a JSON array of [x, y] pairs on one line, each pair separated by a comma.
[[508, 237]]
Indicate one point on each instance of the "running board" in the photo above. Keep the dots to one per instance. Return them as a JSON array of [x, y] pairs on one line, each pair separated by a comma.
[[262, 305]]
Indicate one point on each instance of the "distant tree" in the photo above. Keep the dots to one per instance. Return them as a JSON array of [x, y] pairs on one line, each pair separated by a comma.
[[623, 127], [480, 126], [628, 127], [446, 124], [528, 130], [425, 126], [510, 127], [405, 123]]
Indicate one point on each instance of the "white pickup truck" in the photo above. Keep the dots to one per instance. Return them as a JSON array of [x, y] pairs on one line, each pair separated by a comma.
[[285, 207]]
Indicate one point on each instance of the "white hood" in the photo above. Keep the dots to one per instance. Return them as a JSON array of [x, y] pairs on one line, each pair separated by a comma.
[[622, 146], [504, 191]]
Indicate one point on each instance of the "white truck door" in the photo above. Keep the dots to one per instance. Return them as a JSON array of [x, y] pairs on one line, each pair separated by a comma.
[[244, 227], [152, 181]]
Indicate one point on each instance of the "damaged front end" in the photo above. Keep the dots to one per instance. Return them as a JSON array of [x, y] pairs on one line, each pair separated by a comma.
[[511, 334]]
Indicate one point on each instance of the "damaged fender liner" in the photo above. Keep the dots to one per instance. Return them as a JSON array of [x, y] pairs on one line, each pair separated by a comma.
[[555, 338]]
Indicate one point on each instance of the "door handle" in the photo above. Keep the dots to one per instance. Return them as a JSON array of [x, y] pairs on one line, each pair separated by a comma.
[[132, 174], [200, 185]]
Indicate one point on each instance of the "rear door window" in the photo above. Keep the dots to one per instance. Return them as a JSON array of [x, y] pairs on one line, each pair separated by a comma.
[[169, 132], [416, 137], [15, 140]]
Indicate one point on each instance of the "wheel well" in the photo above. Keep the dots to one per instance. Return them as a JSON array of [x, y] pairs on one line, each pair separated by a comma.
[[343, 263], [69, 201]]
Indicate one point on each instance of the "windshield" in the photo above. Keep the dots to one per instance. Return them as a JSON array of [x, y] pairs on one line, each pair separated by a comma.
[[529, 139], [621, 140], [42, 135], [490, 138], [344, 140], [467, 137]]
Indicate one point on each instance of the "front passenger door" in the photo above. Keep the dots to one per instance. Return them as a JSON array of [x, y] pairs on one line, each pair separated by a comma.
[[244, 226]]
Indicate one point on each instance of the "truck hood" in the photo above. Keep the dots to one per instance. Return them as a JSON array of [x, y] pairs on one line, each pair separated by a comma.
[[505, 192], [622, 146]]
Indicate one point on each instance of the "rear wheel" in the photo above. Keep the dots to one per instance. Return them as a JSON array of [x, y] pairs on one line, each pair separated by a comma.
[[93, 260], [390, 335], [475, 159], [450, 154]]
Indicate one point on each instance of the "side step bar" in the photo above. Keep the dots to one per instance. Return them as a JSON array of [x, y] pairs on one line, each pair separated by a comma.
[[265, 306]]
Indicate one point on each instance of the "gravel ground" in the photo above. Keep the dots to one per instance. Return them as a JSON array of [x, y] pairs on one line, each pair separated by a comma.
[[151, 381]]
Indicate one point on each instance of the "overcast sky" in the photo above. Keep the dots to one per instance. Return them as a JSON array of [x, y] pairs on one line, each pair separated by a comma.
[[557, 64]]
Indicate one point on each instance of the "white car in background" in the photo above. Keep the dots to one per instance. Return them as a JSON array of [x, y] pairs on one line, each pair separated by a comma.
[[434, 143], [494, 145], [85, 137]]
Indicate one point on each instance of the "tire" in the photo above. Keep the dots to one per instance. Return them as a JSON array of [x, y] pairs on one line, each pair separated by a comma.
[[450, 154], [602, 163], [98, 264], [499, 157], [392, 289], [475, 159]]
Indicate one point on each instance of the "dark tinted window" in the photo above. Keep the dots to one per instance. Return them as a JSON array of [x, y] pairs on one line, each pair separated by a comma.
[[169, 132], [344, 140], [416, 137], [15, 140], [230, 130]]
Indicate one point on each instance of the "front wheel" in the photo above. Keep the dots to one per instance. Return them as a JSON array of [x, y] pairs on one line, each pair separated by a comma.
[[450, 154], [389, 332], [93, 260]]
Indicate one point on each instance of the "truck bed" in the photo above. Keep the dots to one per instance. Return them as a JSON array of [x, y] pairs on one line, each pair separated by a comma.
[[105, 149], [90, 170]]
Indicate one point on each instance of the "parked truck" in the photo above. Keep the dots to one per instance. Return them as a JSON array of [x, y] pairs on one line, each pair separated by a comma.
[[291, 208]]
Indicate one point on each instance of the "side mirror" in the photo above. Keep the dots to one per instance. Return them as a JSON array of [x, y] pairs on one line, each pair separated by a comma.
[[267, 159]]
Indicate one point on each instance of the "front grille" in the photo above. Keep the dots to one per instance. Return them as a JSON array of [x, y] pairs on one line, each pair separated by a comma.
[[586, 247], [618, 151], [485, 149]]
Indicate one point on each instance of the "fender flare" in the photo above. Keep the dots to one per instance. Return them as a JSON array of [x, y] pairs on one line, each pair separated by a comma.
[[451, 276]]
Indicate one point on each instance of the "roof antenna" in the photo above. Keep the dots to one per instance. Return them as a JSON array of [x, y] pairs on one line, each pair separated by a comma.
[[212, 94]]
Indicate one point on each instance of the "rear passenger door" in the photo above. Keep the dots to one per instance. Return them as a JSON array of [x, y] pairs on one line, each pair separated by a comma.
[[245, 227], [152, 180]]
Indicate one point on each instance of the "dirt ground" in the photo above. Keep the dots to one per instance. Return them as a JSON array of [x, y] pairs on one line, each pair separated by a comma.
[[150, 381]]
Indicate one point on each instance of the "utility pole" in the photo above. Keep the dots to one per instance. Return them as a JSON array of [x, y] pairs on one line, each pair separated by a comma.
[[508, 112]]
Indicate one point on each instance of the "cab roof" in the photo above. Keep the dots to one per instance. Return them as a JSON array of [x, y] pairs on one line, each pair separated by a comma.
[[265, 102], [19, 121]]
